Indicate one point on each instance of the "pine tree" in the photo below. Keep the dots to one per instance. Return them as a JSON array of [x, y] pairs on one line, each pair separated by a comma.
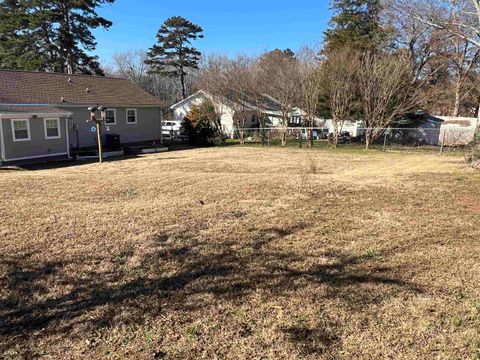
[[17, 51], [53, 35], [356, 24], [76, 18], [173, 54]]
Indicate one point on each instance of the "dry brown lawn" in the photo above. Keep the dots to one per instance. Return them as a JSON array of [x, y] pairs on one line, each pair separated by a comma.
[[242, 253]]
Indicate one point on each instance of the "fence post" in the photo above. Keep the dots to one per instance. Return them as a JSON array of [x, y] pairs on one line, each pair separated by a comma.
[[385, 142], [268, 137], [443, 140], [476, 138]]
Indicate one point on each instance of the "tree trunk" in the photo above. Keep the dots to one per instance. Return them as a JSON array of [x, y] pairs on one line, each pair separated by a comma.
[[242, 135], [262, 131], [284, 138], [182, 80], [476, 131], [456, 106], [67, 34], [368, 138]]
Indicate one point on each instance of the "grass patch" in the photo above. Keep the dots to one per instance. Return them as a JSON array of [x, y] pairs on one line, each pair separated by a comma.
[[242, 252]]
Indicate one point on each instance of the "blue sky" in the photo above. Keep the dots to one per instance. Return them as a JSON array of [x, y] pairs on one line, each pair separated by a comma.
[[230, 27]]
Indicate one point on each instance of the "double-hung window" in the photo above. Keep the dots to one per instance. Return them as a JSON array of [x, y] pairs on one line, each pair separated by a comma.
[[110, 117], [52, 128], [131, 116], [21, 130]]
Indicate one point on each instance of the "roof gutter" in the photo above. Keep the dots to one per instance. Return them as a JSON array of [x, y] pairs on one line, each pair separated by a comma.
[[10, 104], [66, 104], [72, 105], [21, 115], [2, 144]]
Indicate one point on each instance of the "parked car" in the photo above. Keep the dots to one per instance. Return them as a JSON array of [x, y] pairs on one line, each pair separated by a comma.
[[172, 128], [324, 133], [345, 137]]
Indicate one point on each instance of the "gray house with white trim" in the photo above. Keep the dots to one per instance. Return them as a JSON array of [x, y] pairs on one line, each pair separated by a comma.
[[34, 132], [44, 115]]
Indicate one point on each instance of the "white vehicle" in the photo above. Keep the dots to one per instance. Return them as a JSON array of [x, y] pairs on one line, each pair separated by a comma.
[[172, 128]]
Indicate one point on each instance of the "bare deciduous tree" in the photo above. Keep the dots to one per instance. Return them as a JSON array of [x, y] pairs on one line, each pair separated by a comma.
[[386, 91], [424, 43], [130, 65], [464, 59], [460, 18], [234, 82], [280, 77], [337, 74], [311, 89], [457, 24]]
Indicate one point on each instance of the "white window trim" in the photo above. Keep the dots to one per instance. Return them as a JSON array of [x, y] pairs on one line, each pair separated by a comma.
[[114, 117], [58, 127], [13, 130], [136, 116]]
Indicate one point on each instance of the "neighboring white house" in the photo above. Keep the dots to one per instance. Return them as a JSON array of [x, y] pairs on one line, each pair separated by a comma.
[[432, 129], [457, 130], [182, 108], [269, 107]]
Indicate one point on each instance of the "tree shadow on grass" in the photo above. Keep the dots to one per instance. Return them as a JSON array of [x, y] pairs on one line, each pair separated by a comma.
[[311, 340], [175, 271]]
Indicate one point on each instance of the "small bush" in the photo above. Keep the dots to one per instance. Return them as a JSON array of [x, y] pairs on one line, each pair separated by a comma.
[[202, 125], [471, 152]]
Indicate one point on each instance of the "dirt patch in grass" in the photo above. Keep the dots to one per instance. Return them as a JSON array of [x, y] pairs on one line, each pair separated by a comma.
[[242, 253], [472, 203]]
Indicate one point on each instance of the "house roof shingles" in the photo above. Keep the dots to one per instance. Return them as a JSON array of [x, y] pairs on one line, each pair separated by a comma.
[[465, 123], [13, 109], [25, 87], [248, 100]]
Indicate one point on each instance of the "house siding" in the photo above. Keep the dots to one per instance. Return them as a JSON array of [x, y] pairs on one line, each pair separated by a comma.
[[457, 130], [225, 112], [147, 128], [35, 148]]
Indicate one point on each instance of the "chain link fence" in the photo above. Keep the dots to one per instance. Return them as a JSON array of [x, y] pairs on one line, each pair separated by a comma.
[[441, 139]]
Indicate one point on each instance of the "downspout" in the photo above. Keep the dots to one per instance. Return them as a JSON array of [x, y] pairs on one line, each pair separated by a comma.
[[67, 136], [477, 127], [2, 144], [161, 120]]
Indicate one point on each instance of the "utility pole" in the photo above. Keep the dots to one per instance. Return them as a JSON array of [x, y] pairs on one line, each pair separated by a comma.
[[98, 124]]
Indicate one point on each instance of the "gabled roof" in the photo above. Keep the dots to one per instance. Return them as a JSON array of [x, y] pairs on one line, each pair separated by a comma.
[[28, 87], [262, 102], [188, 98]]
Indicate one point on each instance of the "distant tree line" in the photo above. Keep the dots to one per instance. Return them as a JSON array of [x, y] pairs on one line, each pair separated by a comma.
[[169, 68], [412, 54], [54, 35]]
